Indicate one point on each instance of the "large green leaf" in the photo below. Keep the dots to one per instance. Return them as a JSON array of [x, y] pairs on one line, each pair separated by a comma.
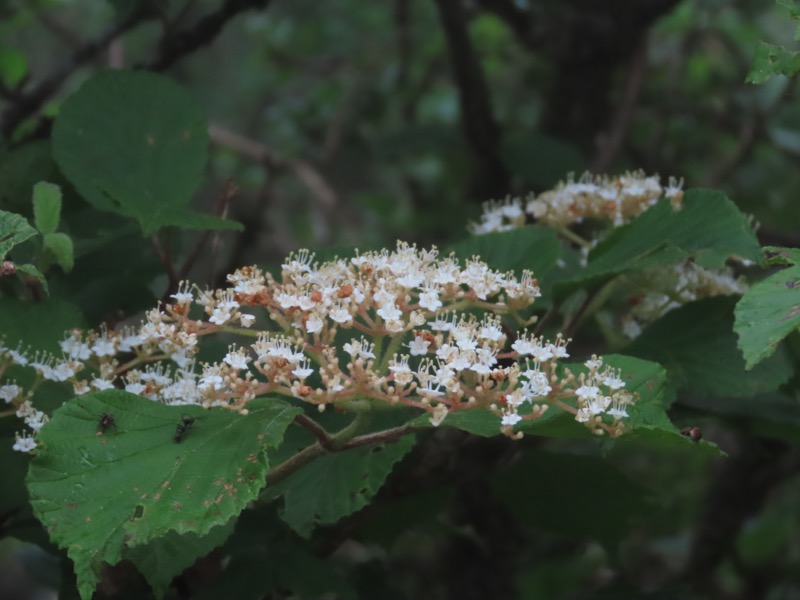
[[14, 229], [337, 484], [534, 248], [770, 310], [579, 496], [135, 143], [697, 345], [645, 379], [100, 493], [126, 288], [708, 229], [164, 558], [37, 325], [262, 556]]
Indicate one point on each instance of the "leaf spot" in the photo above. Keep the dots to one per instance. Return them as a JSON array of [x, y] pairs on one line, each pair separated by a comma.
[[792, 313]]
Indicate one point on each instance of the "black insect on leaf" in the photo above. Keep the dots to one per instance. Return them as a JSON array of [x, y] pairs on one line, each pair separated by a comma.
[[106, 421], [182, 428]]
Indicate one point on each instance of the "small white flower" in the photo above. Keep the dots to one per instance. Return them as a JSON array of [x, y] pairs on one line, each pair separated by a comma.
[[419, 346], [314, 323], [24, 444], [429, 300], [587, 392], [303, 370], [9, 392], [439, 414], [237, 359], [102, 384]]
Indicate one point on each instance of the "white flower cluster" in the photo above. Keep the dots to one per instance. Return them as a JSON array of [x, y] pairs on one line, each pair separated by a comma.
[[499, 215], [601, 392], [410, 342], [673, 286], [616, 200], [14, 395]]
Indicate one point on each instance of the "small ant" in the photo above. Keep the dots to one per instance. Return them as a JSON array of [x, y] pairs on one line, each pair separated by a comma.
[[182, 428], [106, 421]]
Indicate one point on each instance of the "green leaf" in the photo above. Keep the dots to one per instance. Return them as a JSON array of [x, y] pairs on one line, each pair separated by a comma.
[[773, 416], [643, 378], [60, 244], [772, 60], [37, 325], [337, 484], [164, 558], [20, 169], [13, 67], [31, 271], [262, 555], [533, 248], [101, 493], [770, 310], [697, 345], [46, 206], [708, 229], [135, 143], [648, 421], [123, 288], [583, 497], [14, 229], [476, 421]]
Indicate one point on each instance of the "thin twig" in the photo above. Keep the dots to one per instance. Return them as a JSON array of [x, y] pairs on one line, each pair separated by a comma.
[[323, 437], [54, 27], [228, 194], [310, 177], [177, 45], [165, 258], [296, 462], [28, 104], [380, 437]]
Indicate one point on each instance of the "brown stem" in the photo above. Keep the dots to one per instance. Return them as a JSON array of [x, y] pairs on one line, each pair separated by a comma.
[[228, 194], [380, 437], [323, 437], [298, 461], [165, 258], [310, 177]]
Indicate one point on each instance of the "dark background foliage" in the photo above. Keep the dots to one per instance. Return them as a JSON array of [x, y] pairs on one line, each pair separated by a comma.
[[347, 123]]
